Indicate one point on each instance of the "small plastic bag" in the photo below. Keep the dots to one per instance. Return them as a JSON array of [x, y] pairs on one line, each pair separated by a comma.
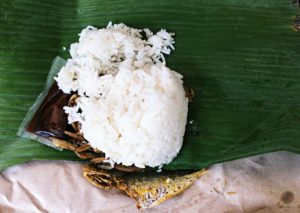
[[23, 131]]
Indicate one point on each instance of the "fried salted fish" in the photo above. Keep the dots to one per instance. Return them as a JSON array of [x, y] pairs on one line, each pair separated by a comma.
[[147, 188]]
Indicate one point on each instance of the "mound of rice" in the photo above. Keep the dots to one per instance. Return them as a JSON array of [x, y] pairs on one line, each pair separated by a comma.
[[131, 106]]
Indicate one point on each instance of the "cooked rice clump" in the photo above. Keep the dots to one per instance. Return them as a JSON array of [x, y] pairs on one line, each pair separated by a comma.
[[130, 106]]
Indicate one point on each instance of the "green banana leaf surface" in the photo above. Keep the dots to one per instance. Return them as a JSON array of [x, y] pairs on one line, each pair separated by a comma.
[[241, 57]]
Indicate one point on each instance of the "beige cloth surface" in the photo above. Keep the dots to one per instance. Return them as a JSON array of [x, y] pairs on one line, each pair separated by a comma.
[[266, 183]]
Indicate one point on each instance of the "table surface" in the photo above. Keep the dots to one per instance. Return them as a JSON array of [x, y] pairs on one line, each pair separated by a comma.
[[265, 183]]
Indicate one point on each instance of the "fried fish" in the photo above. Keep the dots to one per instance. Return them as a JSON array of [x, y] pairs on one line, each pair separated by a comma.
[[147, 188]]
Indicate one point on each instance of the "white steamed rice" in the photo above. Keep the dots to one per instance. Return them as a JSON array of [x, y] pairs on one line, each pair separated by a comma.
[[131, 106]]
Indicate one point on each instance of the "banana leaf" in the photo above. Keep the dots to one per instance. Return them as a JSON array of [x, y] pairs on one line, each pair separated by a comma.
[[240, 57]]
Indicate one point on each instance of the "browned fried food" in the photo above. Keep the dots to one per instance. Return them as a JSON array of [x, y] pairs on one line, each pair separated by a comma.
[[147, 188]]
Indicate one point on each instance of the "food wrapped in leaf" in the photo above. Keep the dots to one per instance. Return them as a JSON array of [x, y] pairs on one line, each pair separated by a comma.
[[148, 188], [117, 105]]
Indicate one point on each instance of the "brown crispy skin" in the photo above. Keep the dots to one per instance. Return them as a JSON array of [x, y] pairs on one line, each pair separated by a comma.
[[147, 188]]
